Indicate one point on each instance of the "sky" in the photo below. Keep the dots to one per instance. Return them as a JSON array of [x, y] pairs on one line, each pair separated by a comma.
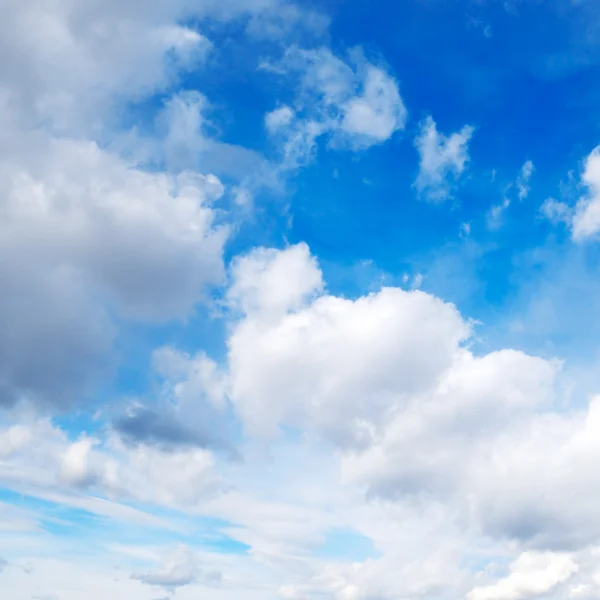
[[299, 300]]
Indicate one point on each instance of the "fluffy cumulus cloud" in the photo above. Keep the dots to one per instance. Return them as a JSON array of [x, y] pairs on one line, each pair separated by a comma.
[[390, 376], [389, 379], [65, 63], [80, 225], [355, 104], [273, 282], [342, 355], [553, 453], [533, 574], [360, 368], [442, 159]]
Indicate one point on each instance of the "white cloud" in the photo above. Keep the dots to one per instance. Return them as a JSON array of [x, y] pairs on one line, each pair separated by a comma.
[[75, 467], [376, 112], [495, 216], [56, 468], [67, 63], [490, 393], [278, 118], [442, 159], [523, 180], [353, 364], [271, 282], [586, 219], [532, 575], [353, 104], [53, 579], [331, 363], [536, 483], [63, 62], [556, 211], [388, 379]]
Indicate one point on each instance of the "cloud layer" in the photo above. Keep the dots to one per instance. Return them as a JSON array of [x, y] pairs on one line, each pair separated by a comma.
[[194, 402]]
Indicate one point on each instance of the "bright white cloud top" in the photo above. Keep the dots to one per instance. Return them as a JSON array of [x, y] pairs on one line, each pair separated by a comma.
[[241, 358]]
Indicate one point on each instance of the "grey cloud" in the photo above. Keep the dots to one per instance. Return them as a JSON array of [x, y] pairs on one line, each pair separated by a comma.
[[167, 430], [161, 579], [149, 426], [557, 528], [75, 254], [214, 577], [55, 341], [192, 408], [178, 570]]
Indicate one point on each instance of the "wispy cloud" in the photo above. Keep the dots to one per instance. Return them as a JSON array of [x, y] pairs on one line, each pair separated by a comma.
[[442, 159], [353, 104]]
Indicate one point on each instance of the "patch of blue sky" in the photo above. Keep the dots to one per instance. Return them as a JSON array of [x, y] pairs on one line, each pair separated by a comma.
[[68, 523], [493, 565], [82, 423], [459, 75], [201, 530], [346, 545]]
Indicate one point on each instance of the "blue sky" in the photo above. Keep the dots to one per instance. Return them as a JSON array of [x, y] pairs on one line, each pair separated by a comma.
[[299, 300]]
